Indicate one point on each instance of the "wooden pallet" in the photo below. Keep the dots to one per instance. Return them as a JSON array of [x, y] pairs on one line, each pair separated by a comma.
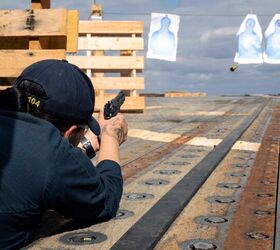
[[28, 36], [110, 59]]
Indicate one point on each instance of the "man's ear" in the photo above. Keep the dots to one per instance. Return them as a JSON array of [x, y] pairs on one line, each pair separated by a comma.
[[70, 131]]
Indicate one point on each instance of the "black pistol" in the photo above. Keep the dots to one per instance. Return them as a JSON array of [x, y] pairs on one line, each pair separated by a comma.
[[113, 107]]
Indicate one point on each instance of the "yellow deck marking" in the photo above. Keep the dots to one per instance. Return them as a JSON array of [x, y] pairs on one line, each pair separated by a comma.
[[203, 141], [244, 145], [239, 145], [197, 141], [152, 135]]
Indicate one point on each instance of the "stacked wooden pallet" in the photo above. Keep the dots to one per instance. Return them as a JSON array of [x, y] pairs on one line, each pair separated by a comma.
[[27, 36], [112, 62]]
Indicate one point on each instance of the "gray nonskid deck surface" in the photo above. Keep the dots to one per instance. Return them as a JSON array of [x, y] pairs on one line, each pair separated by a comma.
[[162, 123]]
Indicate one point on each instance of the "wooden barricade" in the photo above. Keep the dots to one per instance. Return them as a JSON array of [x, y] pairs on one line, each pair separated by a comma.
[[113, 62]]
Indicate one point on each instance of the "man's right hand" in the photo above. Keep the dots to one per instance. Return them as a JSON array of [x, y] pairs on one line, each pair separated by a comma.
[[113, 134], [115, 127]]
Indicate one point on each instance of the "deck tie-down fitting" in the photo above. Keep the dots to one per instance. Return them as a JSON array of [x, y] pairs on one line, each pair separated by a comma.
[[221, 199], [229, 185], [156, 182], [83, 238], [167, 172], [199, 244], [123, 214], [137, 196], [211, 220]]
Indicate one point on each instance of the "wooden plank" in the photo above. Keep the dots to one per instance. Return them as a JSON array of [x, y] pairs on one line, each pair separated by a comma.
[[4, 87], [69, 42], [34, 43], [14, 61], [57, 42], [72, 31], [108, 62], [184, 94], [33, 23], [111, 27], [111, 43], [96, 74], [14, 42], [131, 103], [40, 4], [133, 72], [125, 83], [42, 42], [127, 73]]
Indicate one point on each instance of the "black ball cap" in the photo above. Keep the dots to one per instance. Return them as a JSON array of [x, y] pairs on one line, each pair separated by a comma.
[[69, 91]]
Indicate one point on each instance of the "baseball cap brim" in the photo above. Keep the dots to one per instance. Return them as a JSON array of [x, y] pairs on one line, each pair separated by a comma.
[[94, 126]]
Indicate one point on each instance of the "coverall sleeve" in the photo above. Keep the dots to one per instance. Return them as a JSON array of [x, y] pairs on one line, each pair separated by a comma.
[[78, 190]]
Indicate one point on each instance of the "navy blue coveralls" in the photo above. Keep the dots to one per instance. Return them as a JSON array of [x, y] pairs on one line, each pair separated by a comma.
[[40, 170]]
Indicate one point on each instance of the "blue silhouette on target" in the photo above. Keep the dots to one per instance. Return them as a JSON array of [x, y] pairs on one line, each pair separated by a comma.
[[273, 43], [163, 40], [249, 42]]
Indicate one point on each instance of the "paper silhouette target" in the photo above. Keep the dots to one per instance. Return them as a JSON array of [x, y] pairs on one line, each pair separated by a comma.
[[272, 47], [163, 37], [249, 41]]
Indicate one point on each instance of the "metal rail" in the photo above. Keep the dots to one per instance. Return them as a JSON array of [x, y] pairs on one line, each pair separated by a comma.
[[150, 228]]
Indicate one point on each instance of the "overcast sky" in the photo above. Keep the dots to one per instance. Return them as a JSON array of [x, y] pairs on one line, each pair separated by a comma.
[[206, 42]]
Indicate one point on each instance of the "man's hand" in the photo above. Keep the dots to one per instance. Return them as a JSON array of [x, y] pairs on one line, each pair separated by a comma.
[[113, 134], [115, 127]]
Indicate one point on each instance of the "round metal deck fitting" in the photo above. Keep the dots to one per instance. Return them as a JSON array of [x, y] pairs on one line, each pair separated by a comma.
[[262, 213], [216, 219], [240, 158], [221, 199], [267, 182], [178, 163], [188, 156], [211, 220], [82, 238], [123, 214], [247, 153], [156, 182], [196, 150], [241, 165], [229, 185], [257, 236], [167, 172], [137, 196], [199, 245], [236, 174], [265, 195]]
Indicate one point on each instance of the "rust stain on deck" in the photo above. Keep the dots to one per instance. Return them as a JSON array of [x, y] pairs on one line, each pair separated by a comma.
[[253, 224]]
